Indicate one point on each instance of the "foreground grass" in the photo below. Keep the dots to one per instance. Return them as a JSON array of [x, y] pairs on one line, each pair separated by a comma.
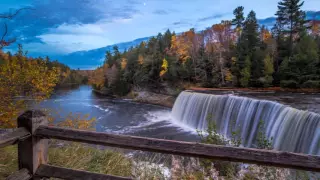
[[75, 156]]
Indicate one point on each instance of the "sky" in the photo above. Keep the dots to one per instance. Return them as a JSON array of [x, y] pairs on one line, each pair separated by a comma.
[[58, 27]]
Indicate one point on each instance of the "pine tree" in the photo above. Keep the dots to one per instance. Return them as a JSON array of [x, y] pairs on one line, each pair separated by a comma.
[[240, 48], [303, 67], [239, 18], [290, 20], [167, 39], [251, 32], [248, 47], [108, 58]]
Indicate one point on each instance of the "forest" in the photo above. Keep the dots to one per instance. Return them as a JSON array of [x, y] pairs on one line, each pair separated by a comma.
[[233, 53]]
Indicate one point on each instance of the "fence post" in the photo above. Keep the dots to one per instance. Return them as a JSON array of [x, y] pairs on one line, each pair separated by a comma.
[[32, 151]]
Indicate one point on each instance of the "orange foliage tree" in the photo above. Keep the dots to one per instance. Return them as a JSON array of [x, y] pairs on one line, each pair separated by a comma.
[[26, 77], [218, 40], [98, 77]]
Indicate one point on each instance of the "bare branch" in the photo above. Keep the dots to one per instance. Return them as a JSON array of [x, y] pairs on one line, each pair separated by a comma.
[[3, 42], [5, 32], [10, 16]]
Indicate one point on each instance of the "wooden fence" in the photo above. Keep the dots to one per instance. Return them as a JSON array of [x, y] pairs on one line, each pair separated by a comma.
[[33, 133]]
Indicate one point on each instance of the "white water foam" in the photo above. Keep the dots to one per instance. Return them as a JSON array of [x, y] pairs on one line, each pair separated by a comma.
[[95, 106], [157, 116]]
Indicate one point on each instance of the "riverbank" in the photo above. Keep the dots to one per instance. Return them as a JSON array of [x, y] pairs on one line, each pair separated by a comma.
[[152, 98], [275, 89], [143, 96], [168, 99]]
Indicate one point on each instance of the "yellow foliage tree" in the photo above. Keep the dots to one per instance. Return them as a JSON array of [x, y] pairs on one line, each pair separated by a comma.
[[99, 76], [164, 67], [124, 63], [228, 75], [20, 76], [315, 28], [266, 35], [180, 46], [140, 59]]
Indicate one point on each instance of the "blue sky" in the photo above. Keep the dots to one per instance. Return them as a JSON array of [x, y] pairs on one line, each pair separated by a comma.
[[57, 27]]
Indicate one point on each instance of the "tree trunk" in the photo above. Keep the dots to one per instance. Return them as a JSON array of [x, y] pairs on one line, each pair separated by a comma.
[[221, 68]]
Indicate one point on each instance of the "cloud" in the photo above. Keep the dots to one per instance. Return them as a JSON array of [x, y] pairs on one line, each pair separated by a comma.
[[216, 16], [66, 26], [160, 12], [182, 23], [77, 29], [70, 38], [134, 2]]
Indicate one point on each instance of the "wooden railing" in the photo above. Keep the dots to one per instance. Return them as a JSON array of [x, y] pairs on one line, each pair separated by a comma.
[[33, 133]]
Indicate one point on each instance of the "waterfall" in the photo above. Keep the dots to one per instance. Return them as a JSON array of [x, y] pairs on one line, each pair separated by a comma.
[[291, 129]]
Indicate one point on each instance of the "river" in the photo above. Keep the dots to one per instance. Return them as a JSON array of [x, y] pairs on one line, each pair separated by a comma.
[[132, 118], [116, 116]]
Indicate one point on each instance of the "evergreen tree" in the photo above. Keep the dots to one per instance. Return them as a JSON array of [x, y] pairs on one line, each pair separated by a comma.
[[116, 53], [108, 58], [303, 68], [246, 73], [248, 47], [240, 49], [251, 32], [167, 39], [290, 20], [239, 17]]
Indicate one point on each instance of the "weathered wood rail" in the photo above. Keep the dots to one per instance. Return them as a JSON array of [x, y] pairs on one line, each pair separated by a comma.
[[33, 133]]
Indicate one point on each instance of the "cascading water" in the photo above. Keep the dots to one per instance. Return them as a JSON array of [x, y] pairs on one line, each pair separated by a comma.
[[291, 129]]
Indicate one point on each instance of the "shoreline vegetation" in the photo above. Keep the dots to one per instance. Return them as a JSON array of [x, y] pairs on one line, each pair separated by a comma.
[[147, 97]]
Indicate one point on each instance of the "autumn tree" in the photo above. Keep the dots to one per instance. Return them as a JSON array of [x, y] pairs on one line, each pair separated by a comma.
[[20, 76], [219, 40], [180, 46]]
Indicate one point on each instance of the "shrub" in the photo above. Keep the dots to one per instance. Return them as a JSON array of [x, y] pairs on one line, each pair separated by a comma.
[[311, 84], [289, 84], [121, 87], [75, 156]]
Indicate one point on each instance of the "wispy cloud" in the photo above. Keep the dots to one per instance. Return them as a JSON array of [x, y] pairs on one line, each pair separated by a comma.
[[215, 16], [161, 12], [183, 22]]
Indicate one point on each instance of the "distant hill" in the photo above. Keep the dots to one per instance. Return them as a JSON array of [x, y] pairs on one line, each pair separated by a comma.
[[269, 22], [93, 58]]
